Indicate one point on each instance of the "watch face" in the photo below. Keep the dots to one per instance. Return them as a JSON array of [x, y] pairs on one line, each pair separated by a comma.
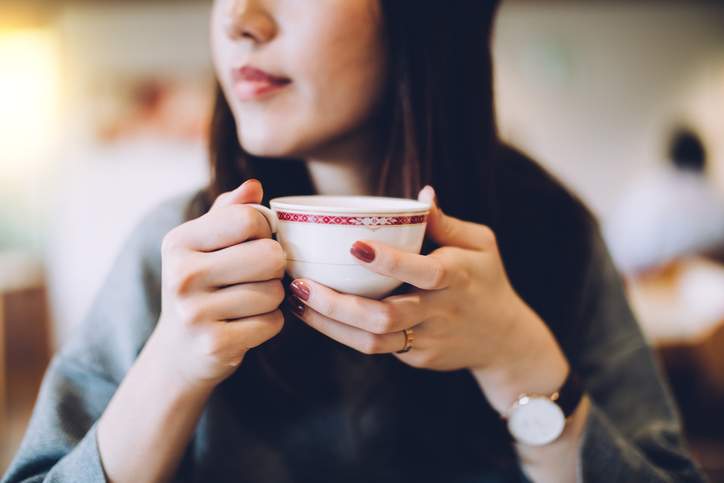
[[536, 421]]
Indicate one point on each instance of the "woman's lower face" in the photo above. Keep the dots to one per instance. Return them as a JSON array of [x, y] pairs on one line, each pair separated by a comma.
[[330, 54]]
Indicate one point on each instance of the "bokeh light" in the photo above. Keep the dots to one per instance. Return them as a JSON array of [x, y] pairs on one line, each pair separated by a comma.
[[29, 99]]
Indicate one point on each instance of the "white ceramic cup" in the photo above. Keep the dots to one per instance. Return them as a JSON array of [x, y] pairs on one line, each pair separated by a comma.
[[318, 231]]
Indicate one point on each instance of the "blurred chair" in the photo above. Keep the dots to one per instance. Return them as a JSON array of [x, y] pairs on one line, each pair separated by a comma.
[[24, 344]]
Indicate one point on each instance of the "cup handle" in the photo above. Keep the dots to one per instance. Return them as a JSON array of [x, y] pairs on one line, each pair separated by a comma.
[[270, 216]]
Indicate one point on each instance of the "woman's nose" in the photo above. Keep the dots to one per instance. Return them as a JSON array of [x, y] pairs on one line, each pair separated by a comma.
[[248, 19]]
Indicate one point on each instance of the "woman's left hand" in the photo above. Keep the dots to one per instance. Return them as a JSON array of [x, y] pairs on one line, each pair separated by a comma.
[[462, 309]]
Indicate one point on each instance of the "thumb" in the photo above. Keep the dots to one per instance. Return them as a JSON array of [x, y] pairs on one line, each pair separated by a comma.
[[251, 191], [450, 231]]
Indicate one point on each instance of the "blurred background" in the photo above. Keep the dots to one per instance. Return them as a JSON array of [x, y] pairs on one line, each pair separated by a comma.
[[103, 108]]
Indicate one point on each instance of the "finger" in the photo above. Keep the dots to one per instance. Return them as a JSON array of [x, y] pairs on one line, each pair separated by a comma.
[[250, 191], [252, 261], [358, 339], [250, 332], [224, 227], [423, 271], [240, 301], [363, 313], [449, 231]]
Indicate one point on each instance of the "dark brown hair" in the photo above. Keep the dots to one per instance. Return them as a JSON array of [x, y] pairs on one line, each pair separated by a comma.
[[441, 130]]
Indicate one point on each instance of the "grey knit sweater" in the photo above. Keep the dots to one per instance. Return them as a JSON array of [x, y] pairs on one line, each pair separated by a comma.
[[303, 408]]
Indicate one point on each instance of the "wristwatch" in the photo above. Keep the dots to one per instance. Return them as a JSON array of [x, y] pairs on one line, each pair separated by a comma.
[[537, 419]]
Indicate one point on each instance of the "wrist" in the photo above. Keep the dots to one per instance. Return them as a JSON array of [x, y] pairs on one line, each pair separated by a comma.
[[529, 361], [153, 411], [157, 359]]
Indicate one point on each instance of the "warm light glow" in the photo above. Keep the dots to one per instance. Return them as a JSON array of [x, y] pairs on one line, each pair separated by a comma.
[[29, 89]]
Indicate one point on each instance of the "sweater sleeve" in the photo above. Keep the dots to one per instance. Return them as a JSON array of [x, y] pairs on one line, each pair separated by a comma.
[[633, 433], [60, 442]]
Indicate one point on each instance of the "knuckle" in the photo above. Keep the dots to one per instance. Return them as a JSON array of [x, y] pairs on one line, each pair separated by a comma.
[[385, 320], [489, 236], [440, 275], [184, 277], [190, 311], [210, 343], [415, 361], [246, 212], [371, 344], [171, 241], [280, 257], [278, 323], [240, 217], [449, 230], [276, 255], [391, 263], [424, 360], [277, 292], [221, 200], [174, 278], [247, 217], [327, 307], [427, 359], [277, 319], [273, 323]]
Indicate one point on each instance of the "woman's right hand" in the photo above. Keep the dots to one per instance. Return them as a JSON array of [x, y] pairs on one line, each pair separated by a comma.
[[221, 289]]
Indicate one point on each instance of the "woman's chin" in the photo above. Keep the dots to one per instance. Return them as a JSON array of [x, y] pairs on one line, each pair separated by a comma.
[[265, 147], [273, 147], [265, 153]]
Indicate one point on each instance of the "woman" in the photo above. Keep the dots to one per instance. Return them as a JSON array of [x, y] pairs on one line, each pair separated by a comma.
[[190, 367]]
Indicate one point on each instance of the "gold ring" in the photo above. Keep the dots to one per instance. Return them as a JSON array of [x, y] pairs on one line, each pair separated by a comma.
[[409, 339]]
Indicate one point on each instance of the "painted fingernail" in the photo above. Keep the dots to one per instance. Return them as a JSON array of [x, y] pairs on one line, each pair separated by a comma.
[[300, 289], [363, 251], [296, 305]]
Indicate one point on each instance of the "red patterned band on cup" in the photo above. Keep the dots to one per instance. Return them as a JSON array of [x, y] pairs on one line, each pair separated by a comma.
[[369, 221]]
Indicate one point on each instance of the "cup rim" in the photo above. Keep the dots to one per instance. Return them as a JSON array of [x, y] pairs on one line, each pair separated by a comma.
[[330, 204]]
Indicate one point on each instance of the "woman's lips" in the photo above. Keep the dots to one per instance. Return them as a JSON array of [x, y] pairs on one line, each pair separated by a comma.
[[251, 83], [247, 91]]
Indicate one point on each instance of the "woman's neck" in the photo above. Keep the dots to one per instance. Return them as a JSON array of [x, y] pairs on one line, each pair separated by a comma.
[[347, 167], [340, 177]]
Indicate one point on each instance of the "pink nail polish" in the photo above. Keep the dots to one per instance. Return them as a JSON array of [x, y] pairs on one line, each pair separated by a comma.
[[300, 289]]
